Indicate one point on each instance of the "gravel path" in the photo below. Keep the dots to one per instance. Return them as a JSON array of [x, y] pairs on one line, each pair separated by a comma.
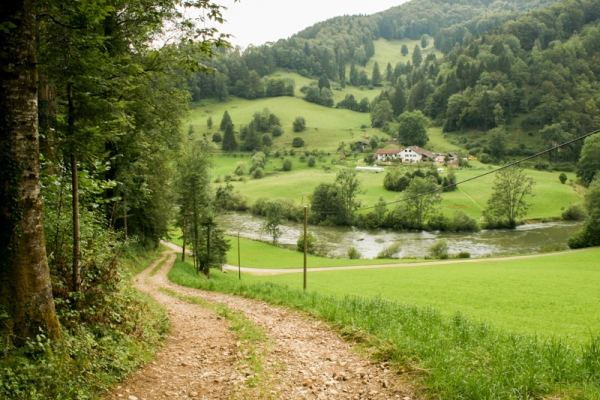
[[304, 358]]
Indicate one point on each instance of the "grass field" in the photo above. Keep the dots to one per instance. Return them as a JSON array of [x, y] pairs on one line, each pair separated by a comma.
[[550, 296], [450, 354], [551, 197]]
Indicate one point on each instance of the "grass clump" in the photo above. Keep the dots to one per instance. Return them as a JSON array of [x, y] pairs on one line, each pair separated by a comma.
[[391, 252], [456, 357], [439, 250]]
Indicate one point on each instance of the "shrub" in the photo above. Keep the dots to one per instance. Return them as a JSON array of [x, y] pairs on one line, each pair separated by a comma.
[[287, 164], [302, 158], [311, 243], [311, 161], [354, 254], [575, 212], [266, 140], [298, 142], [463, 254], [562, 177], [240, 169], [217, 138], [258, 173], [299, 124], [277, 131], [439, 249], [392, 251]]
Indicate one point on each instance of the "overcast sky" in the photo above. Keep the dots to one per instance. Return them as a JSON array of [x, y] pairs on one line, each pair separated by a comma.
[[259, 21]]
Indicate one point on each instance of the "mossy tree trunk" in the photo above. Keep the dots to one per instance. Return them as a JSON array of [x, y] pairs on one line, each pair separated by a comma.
[[26, 302]]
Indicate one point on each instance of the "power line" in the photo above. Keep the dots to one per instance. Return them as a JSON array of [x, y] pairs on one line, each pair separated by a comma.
[[487, 173]]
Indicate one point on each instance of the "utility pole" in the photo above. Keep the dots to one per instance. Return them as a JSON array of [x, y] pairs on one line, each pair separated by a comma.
[[305, 244]]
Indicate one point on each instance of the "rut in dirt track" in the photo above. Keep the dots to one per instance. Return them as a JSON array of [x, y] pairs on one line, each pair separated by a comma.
[[303, 358]]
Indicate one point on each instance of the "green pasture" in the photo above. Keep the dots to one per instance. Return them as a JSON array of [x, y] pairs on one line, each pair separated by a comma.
[[326, 127], [555, 295], [551, 197]]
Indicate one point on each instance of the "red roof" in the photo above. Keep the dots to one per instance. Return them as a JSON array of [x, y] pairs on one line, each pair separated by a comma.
[[388, 151]]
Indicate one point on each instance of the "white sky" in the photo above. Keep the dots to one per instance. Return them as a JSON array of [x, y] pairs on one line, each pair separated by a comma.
[[259, 21]]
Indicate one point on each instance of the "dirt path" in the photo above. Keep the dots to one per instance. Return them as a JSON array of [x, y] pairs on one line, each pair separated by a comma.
[[303, 358]]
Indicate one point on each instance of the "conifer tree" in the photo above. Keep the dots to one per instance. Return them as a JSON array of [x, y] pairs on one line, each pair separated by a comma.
[[229, 142], [376, 76], [354, 78], [404, 50], [417, 58], [226, 121]]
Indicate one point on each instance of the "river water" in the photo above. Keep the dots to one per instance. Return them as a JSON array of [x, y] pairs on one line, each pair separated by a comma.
[[335, 241]]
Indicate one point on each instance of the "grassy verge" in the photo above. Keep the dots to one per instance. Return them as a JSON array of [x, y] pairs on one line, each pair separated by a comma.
[[159, 265], [90, 358], [456, 358], [254, 343]]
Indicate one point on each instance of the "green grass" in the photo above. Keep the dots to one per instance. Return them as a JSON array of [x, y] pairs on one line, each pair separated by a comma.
[[326, 127], [452, 356], [551, 197], [255, 254], [549, 296]]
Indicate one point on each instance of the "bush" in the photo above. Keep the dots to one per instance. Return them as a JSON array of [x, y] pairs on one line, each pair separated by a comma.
[[562, 177], [311, 161], [575, 212], [298, 142], [299, 124], [439, 249], [287, 164], [354, 254], [217, 138], [277, 131], [392, 251], [302, 158], [311, 243], [463, 254], [266, 140], [240, 169], [258, 173]]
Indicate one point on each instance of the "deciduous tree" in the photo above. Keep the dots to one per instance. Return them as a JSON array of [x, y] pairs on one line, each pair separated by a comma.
[[508, 200]]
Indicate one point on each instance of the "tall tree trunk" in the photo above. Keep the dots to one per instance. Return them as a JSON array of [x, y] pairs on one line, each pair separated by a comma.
[[76, 274], [25, 288]]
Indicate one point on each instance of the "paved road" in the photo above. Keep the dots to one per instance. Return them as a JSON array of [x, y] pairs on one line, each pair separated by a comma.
[[261, 271]]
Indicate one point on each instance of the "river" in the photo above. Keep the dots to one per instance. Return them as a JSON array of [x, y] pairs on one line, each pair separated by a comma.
[[335, 241]]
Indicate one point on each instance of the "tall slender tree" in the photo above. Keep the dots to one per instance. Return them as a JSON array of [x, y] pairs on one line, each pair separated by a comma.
[[25, 290]]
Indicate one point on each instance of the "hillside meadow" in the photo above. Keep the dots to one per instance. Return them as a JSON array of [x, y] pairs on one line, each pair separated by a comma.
[[551, 197]]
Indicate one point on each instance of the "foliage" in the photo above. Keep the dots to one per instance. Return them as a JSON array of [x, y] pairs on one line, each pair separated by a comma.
[[229, 143], [391, 251], [217, 138], [439, 249], [589, 162], [412, 128], [562, 178], [420, 200], [287, 164], [311, 161], [354, 254], [299, 124], [589, 235], [575, 212], [273, 218], [298, 142], [311, 243], [507, 203]]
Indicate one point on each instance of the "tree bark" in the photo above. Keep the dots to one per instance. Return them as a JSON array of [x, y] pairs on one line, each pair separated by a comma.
[[25, 288]]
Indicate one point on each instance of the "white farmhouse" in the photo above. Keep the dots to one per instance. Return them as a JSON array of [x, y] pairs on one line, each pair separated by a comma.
[[415, 154], [387, 154]]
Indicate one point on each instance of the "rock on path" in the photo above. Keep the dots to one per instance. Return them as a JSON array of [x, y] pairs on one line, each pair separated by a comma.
[[306, 359]]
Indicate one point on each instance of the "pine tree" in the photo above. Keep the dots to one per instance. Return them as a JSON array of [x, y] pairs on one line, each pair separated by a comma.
[[389, 73], [417, 58], [354, 78], [398, 101], [229, 142], [376, 76], [226, 121]]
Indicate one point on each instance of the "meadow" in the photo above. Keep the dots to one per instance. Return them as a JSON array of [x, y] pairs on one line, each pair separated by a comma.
[[453, 354], [551, 197]]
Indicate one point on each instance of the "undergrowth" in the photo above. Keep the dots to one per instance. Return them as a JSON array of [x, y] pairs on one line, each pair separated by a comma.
[[456, 358], [92, 356]]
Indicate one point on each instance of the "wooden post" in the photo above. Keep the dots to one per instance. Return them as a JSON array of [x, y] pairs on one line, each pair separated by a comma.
[[305, 244], [239, 259]]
